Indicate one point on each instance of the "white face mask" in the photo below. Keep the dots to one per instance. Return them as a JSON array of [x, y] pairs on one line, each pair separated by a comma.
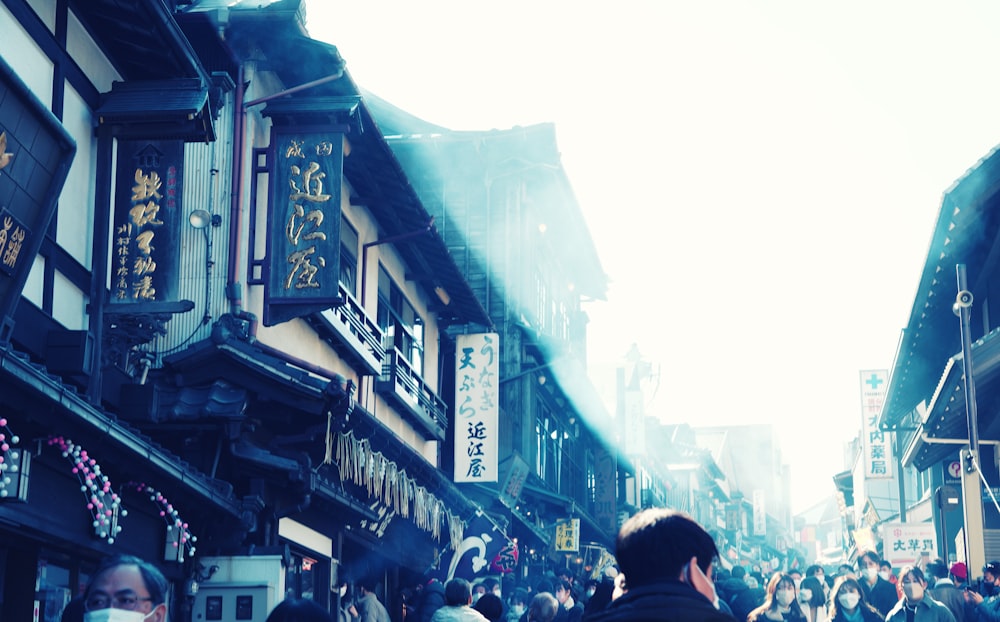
[[805, 595], [785, 597], [884, 575], [115, 615], [849, 600], [913, 591], [869, 573], [797, 583], [590, 593], [343, 590], [518, 610]]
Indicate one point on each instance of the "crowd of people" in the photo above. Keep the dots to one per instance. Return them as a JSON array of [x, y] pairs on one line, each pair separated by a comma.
[[667, 572]]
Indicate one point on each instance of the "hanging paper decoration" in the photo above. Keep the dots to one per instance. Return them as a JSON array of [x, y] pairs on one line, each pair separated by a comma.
[[103, 503], [384, 480], [10, 457], [172, 517]]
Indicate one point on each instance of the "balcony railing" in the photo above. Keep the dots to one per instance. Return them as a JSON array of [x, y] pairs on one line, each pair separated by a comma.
[[357, 331], [417, 401]]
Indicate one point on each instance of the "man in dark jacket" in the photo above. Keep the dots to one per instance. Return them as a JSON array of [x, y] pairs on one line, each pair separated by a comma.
[[431, 599], [666, 558], [879, 593]]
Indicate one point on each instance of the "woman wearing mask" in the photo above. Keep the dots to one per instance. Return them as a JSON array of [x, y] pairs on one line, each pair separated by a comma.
[[847, 603], [916, 605], [812, 600], [779, 602]]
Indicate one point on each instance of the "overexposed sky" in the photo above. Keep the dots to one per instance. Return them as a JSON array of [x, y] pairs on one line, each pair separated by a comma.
[[761, 178]]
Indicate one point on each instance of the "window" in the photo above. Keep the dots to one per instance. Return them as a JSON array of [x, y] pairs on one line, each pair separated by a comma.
[[348, 257], [548, 458], [402, 327]]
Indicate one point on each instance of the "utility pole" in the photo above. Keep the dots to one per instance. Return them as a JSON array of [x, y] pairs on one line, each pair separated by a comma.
[[972, 493]]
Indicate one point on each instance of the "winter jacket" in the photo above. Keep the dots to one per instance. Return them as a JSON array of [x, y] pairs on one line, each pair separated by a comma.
[[928, 610], [668, 601], [431, 599]]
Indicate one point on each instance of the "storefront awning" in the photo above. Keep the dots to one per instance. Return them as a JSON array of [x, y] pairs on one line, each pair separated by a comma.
[[20, 375]]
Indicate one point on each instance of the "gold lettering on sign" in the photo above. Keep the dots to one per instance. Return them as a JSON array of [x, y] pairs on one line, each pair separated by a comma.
[[11, 239], [134, 274], [305, 219]]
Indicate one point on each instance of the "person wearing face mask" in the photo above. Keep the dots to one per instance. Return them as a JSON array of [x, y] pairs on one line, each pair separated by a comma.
[[817, 571], [847, 602], [126, 589], [879, 593], [780, 602], [986, 608], [917, 605], [885, 572], [812, 600], [517, 605]]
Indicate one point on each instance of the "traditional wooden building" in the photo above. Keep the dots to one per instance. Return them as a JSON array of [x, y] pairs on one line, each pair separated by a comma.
[[227, 321], [504, 205]]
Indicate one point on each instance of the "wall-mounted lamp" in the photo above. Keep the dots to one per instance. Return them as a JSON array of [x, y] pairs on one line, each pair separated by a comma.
[[200, 219]]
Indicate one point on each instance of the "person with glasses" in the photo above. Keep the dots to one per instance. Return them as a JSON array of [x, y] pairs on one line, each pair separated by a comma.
[[126, 589]]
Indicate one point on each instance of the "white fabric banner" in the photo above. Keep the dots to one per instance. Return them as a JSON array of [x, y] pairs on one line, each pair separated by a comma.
[[477, 407]]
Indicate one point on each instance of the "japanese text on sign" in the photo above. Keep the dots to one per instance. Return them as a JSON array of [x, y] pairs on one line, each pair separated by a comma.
[[477, 367], [906, 543], [12, 237], [568, 536], [877, 449]]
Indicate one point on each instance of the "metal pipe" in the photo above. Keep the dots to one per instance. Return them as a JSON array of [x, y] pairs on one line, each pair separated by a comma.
[[388, 240]]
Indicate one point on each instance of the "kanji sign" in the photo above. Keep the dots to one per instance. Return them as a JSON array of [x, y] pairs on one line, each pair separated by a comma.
[[477, 407]]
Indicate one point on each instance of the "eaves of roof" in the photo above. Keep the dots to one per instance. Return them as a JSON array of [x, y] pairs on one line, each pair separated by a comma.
[[63, 399], [141, 38], [966, 228]]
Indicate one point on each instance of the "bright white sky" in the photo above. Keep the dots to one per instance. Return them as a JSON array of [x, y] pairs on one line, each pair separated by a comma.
[[761, 178]]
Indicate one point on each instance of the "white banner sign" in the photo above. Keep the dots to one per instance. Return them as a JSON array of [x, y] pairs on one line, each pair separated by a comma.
[[905, 543], [477, 407], [876, 442]]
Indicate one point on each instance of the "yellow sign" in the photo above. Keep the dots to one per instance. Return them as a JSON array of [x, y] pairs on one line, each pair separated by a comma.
[[568, 536]]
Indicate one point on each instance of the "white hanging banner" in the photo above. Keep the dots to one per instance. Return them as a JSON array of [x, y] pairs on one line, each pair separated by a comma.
[[877, 450], [477, 407]]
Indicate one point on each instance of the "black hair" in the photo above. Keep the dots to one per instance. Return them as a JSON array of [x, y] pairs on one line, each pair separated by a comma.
[[812, 570], [914, 572], [656, 543], [818, 597], [870, 556], [457, 592], [154, 580], [490, 605], [299, 610]]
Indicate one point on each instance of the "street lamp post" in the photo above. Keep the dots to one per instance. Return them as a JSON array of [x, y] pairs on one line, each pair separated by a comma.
[[972, 495]]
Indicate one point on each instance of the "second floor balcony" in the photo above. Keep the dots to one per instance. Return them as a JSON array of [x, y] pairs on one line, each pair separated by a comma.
[[416, 400]]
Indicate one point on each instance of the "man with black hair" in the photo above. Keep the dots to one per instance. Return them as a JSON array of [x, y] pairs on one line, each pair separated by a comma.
[[368, 605], [879, 593], [666, 558]]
